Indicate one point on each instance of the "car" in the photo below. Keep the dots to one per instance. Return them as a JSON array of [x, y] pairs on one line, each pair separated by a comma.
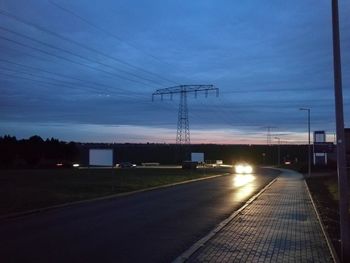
[[66, 164], [243, 168], [189, 165], [126, 165]]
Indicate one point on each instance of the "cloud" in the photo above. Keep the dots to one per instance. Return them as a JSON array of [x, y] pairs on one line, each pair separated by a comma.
[[267, 59]]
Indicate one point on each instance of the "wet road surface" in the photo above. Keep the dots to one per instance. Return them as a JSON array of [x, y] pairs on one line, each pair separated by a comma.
[[154, 226]]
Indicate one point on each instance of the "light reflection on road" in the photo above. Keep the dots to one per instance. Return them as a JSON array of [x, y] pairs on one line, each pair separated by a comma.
[[244, 186], [242, 179]]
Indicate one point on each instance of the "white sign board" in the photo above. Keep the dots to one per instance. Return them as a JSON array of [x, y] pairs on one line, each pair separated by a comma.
[[319, 136], [197, 157], [101, 157]]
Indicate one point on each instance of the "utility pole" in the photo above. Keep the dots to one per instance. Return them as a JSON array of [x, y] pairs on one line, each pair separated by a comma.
[[309, 141], [268, 152], [183, 129], [268, 135], [278, 151], [341, 157]]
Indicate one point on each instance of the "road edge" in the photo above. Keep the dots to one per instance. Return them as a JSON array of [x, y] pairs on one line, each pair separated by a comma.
[[64, 205], [325, 234], [200, 243]]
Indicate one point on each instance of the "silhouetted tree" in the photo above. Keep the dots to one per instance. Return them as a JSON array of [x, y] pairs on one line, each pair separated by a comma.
[[35, 152]]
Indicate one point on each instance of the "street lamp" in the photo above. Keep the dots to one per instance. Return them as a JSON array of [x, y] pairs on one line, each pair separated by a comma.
[[309, 145], [279, 150]]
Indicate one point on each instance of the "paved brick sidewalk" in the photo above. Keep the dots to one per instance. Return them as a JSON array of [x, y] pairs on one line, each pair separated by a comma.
[[279, 226]]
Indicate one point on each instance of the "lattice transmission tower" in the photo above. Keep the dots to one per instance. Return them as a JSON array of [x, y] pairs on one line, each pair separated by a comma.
[[183, 127]]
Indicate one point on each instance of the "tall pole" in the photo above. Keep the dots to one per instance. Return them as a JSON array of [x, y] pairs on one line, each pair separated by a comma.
[[309, 140], [268, 135], [341, 159], [279, 151], [309, 145]]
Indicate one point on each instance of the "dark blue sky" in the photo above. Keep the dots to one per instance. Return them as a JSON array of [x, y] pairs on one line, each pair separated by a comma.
[[85, 70]]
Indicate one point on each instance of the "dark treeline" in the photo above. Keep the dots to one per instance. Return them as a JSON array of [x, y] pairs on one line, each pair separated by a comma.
[[35, 152]]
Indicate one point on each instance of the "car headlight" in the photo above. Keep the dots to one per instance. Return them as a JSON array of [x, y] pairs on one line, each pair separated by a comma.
[[243, 169], [239, 168], [248, 169]]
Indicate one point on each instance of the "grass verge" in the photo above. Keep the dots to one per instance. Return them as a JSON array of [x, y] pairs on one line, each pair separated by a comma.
[[22, 190], [324, 190]]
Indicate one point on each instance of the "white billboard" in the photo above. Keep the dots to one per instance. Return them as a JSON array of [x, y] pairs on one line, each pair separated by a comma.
[[197, 157], [101, 157]]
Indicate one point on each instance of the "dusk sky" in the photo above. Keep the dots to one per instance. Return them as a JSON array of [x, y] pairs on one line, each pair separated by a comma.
[[85, 70]]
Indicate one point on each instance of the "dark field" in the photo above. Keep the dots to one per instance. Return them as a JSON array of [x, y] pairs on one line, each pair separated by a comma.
[[22, 190], [324, 189]]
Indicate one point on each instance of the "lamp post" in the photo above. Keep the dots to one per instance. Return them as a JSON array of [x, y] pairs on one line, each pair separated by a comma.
[[341, 160], [309, 142], [278, 151]]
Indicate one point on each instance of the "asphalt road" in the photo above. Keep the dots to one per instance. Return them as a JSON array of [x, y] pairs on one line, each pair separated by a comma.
[[153, 226]]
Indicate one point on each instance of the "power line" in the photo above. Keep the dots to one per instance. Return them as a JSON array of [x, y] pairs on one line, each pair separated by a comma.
[[231, 117], [97, 91], [15, 77], [55, 73], [69, 11], [76, 55], [220, 114], [70, 77], [59, 82], [68, 84], [88, 84], [275, 90], [45, 83], [20, 52], [65, 76], [278, 103], [69, 60], [72, 86], [28, 23]]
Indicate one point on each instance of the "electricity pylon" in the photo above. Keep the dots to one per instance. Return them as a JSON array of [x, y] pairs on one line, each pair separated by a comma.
[[183, 128], [268, 135]]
